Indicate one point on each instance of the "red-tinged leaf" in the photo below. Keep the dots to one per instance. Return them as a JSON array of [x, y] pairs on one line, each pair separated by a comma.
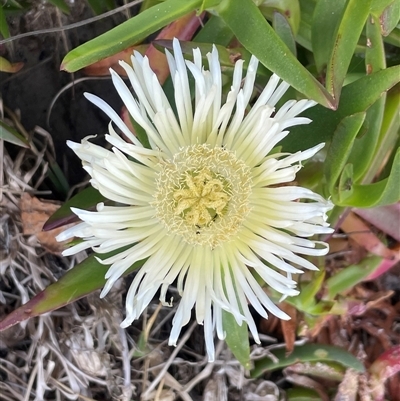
[[386, 218], [347, 278], [84, 278], [6, 66], [86, 199], [183, 29], [387, 365], [361, 233], [102, 67], [289, 326], [387, 13], [384, 266], [227, 57]]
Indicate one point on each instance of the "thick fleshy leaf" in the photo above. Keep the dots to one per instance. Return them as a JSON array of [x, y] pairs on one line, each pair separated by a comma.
[[289, 8], [375, 51], [303, 36], [385, 218], [387, 365], [307, 353], [284, 31], [102, 67], [262, 41], [351, 275], [384, 192], [215, 31], [356, 97], [387, 12], [6, 66], [306, 298], [78, 282], [10, 135], [302, 394], [325, 20], [345, 42], [128, 33], [237, 339], [340, 148], [362, 235], [345, 187], [323, 370], [364, 146], [86, 199], [4, 31], [388, 136], [393, 38]]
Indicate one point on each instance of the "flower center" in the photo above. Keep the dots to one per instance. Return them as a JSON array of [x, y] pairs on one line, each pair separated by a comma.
[[203, 198], [203, 194]]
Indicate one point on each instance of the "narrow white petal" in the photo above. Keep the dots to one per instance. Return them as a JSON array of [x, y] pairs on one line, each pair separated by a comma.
[[101, 104]]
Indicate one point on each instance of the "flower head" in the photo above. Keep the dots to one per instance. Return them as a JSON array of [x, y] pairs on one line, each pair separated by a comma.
[[207, 204]]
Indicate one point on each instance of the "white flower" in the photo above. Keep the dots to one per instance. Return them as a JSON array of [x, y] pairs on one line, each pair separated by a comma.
[[208, 204]]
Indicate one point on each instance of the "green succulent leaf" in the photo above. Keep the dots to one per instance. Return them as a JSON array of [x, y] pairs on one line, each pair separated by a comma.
[[387, 12], [345, 42], [307, 353], [303, 36], [284, 31], [340, 148], [325, 21], [237, 339], [345, 188], [384, 192], [4, 31], [81, 280], [364, 146], [389, 134], [374, 51], [128, 33], [394, 37], [86, 199], [356, 97], [306, 298], [351, 275], [289, 8], [215, 31], [302, 394], [262, 41]]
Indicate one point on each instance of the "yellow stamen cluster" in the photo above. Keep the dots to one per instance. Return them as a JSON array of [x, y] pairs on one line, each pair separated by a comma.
[[202, 194], [202, 200]]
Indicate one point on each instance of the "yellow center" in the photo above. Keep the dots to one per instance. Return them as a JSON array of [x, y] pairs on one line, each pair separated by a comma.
[[203, 199], [203, 194]]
